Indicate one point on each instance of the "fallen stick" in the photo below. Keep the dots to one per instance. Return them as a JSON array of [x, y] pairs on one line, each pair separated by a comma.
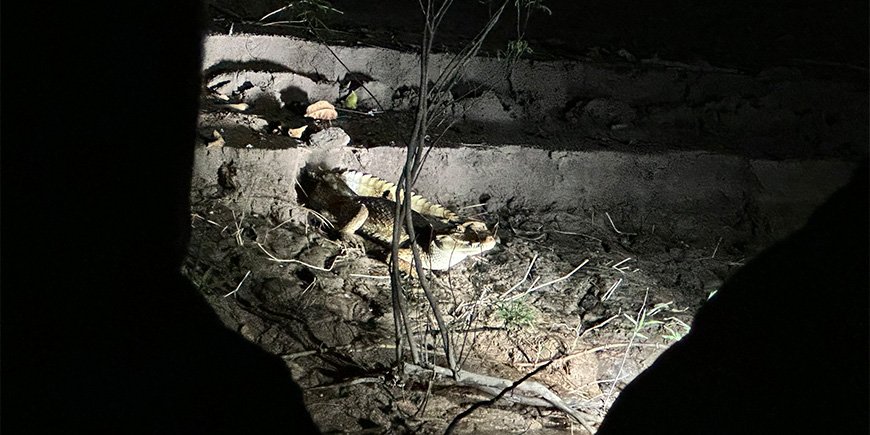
[[521, 392]]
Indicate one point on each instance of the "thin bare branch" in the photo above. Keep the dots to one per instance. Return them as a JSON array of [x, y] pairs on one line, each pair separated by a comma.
[[452, 426], [529, 389]]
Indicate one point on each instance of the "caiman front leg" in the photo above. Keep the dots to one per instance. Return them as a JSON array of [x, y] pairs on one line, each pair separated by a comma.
[[347, 233]]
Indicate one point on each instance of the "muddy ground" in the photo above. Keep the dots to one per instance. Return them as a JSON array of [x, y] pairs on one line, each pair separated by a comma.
[[326, 310], [587, 298]]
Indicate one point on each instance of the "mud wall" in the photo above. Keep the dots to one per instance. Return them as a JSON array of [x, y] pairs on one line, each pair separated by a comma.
[[779, 112], [690, 195]]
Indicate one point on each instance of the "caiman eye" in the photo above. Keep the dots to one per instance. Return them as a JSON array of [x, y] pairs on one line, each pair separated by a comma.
[[438, 241], [471, 235]]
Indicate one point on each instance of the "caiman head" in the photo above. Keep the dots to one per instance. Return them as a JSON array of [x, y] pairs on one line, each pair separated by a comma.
[[466, 239]]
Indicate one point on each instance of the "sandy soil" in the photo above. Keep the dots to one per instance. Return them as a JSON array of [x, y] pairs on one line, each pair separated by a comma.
[[325, 309], [566, 288]]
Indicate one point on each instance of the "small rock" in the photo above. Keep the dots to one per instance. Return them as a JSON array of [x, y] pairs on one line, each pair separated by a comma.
[[534, 425], [329, 139]]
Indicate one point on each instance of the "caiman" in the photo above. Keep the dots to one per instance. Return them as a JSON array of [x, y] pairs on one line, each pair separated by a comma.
[[356, 203]]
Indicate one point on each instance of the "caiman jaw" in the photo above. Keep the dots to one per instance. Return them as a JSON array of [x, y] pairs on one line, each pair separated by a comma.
[[446, 250]]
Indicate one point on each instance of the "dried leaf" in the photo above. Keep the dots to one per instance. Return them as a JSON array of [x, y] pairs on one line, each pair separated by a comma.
[[321, 110], [297, 132]]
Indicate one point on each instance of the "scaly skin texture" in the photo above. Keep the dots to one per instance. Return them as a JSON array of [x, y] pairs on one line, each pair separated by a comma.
[[368, 185], [358, 203]]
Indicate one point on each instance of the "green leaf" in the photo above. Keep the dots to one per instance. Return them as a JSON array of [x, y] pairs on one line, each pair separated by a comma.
[[350, 101]]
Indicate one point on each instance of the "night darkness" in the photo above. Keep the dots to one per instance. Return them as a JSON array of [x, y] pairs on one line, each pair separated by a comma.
[[101, 333]]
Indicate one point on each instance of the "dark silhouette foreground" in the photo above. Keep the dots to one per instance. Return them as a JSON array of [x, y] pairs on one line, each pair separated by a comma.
[[100, 331]]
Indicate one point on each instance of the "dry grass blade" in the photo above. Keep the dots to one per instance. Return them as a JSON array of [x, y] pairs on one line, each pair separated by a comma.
[[238, 224], [572, 233], [548, 283], [525, 277], [562, 278], [715, 250], [621, 269], [611, 290], [634, 335], [238, 286], [614, 226], [195, 216], [281, 260]]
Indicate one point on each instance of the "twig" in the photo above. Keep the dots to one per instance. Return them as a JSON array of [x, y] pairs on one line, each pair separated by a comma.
[[281, 260], [523, 390], [452, 426], [347, 347], [614, 226], [616, 266], [612, 289], [239, 286], [300, 354], [858, 68], [421, 408], [687, 67]]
